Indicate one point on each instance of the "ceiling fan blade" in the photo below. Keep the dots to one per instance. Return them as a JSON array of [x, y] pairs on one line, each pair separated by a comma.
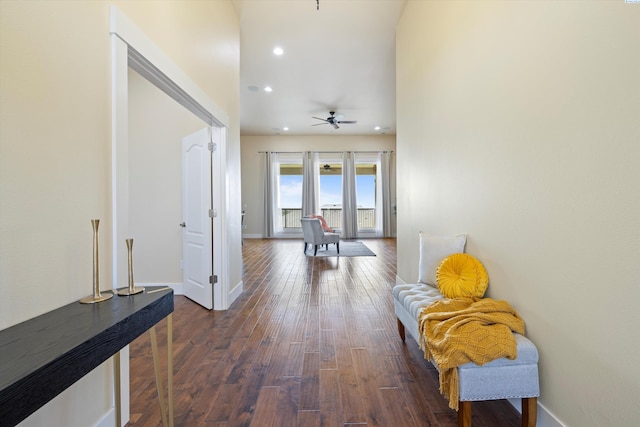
[[333, 120]]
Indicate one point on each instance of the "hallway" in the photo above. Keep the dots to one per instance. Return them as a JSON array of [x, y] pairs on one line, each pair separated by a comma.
[[310, 342]]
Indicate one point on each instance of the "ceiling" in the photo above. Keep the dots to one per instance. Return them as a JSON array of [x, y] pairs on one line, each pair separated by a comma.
[[339, 58]]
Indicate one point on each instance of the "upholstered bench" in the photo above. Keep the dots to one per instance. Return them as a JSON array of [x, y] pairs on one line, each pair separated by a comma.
[[499, 379]]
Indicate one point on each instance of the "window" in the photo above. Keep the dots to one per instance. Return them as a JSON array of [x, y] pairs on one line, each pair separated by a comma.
[[288, 200], [290, 191], [369, 194], [331, 192], [366, 195], [286, 185]]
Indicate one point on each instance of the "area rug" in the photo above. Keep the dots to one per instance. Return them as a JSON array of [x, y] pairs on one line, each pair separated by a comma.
[[347, 249]]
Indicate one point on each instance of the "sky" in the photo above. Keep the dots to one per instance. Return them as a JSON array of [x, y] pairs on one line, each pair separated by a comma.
[[330, 190]]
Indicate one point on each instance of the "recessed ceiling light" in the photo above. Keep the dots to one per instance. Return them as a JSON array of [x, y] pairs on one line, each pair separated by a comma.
[[268, 89], [285, 128], [377, 128], [278, 51]]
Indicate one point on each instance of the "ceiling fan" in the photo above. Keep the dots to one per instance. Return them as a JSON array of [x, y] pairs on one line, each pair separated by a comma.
[[334, 120]]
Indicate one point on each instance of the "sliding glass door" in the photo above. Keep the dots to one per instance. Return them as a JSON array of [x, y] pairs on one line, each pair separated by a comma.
[[289, 200], [368, 194], [366, 181], [330, 183]]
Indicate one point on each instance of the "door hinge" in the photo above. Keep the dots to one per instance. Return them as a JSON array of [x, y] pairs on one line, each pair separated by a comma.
[[213, 146], [213, 213], [213, 279]]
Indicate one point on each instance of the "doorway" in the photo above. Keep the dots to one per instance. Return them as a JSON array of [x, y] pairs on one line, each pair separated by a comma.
[[157, 126], [131, 48]]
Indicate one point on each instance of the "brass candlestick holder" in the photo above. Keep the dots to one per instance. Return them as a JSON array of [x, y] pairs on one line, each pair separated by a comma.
[[96, 297], [131, 290]]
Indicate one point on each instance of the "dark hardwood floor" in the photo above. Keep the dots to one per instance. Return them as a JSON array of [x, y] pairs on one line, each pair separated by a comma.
[[310, 342]]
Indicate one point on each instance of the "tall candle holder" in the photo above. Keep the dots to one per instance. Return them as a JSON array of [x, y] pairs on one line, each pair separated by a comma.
[[96, 297], [131, 290]]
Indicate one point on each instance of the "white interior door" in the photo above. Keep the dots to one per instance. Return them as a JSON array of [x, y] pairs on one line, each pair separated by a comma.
[[197, 234]]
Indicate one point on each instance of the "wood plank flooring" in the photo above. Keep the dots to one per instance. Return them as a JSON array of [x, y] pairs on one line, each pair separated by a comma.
[[310, 342]]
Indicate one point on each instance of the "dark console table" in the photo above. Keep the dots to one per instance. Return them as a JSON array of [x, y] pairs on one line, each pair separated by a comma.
[[41, 357]]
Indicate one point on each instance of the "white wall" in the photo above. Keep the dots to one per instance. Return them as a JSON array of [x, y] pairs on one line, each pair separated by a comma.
[[54, 171], [253, 169], [55, 152], [55, 146], [157, 125], [519, 124]]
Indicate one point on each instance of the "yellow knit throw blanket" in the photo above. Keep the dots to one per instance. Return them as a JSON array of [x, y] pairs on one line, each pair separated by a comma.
[[457, 331]]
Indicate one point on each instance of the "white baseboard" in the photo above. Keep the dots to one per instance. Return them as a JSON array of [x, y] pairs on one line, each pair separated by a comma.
[[280, 236], [178, 288], [108, 420], [235, 292], [545, 418]]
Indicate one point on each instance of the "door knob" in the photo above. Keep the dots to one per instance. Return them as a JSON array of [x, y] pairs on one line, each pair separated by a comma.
[[182, 224]]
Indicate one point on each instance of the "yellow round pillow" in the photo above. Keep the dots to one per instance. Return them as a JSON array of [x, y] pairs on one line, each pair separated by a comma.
[[461, 275]]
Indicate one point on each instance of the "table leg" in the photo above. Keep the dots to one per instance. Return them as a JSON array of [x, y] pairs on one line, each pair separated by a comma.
[[156, 368], [116, 382], [170, 365]]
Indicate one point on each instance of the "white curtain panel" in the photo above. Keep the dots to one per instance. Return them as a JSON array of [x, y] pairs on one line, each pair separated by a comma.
[[387, 172], [349, 203], [393, 200], [271, 188], [310, 184]]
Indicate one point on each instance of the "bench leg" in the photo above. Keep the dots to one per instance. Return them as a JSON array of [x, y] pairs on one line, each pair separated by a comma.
[[401, 330], [464, 414], [529, 411]]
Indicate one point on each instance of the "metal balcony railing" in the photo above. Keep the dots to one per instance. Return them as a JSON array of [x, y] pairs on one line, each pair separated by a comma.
[[366, 217]]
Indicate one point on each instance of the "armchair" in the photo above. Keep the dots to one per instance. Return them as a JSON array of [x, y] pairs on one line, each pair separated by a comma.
[[314, 234]]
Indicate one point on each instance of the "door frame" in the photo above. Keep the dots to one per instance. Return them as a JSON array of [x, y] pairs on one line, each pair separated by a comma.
[[131, 48]]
